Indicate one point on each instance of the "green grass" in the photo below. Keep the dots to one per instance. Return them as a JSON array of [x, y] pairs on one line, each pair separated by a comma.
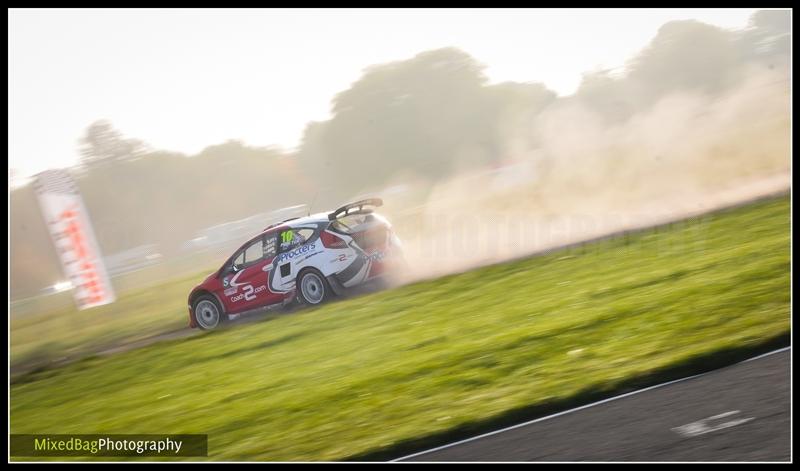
[[51, 329], [373, 373]]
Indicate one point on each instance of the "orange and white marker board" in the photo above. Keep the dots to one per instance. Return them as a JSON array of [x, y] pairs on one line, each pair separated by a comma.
[[73, 237]]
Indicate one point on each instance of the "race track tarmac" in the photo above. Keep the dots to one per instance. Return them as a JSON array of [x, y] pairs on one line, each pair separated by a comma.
[[737, 413]]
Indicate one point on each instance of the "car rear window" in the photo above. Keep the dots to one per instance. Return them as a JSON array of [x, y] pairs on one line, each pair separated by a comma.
[[350, 223]]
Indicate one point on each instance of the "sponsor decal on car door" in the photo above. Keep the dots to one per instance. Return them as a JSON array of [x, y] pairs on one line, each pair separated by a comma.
[[298, 247], [248, 288]]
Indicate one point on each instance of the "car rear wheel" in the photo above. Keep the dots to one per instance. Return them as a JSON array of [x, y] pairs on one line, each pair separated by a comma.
[[207, 313], [312, 288]]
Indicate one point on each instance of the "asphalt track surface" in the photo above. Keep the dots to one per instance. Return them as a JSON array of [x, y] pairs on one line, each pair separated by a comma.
[[737, 413]]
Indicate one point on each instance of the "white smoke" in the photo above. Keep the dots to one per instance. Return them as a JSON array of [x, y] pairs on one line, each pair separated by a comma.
[[687, 154]]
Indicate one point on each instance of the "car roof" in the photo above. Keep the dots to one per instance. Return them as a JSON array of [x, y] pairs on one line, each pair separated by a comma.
[[296, 222]]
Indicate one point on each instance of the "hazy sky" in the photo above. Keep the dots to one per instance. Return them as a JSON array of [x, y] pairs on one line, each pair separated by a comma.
[[183, 80]]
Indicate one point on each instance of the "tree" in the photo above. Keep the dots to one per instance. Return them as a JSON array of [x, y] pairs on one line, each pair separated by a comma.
[[685, 55], [103, 144], [423, 116], [768, 37]]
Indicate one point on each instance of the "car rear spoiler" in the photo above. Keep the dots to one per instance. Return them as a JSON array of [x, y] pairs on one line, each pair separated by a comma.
[[358, 206]]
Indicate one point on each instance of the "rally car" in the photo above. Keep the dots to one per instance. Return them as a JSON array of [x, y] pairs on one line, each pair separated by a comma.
[[302, 260]]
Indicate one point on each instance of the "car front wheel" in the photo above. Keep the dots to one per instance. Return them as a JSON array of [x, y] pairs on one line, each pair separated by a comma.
[[207, 313]]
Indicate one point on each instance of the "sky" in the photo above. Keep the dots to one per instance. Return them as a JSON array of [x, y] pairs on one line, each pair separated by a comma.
[[183, 80]]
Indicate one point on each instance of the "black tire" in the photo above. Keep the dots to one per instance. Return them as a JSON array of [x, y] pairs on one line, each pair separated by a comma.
[[208, 314], [312, 288]]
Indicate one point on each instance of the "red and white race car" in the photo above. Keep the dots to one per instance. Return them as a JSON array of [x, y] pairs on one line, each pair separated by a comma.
[[306, 259]]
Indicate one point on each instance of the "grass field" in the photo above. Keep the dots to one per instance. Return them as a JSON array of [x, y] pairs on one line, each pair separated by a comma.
[[375, 373], [61, 331]]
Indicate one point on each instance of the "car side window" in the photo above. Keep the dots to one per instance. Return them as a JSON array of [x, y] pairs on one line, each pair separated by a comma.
[[239, 261], [270, 245], [251, 254], [304, 234], [254, 252], [291, 238]]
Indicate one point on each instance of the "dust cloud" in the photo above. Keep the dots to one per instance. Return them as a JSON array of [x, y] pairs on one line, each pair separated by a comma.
[[687, 154]]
